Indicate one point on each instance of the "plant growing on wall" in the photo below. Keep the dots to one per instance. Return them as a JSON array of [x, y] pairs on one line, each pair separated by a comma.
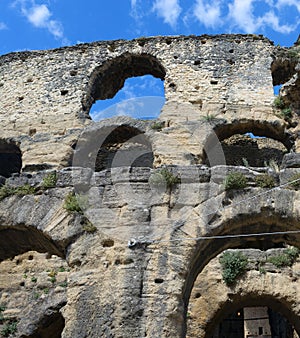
[[49, 180], [7, 190], [265, 181], [287, 258], [164, 177], [235, 181], [285, 110], [72, 203], [233, 264], [157, 125]]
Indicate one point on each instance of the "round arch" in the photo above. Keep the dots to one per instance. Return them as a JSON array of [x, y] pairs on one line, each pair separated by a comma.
[[100, 145], [264, 216], [252, 299], [265, 222], [106, 80], [272, 130]]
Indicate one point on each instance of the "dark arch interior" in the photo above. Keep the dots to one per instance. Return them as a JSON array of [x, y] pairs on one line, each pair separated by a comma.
[[124, 146], [50, 326], [10, 158], [18, 240], [109, 78], [269, 144], [282, 70], [252, 151], [281, 318]]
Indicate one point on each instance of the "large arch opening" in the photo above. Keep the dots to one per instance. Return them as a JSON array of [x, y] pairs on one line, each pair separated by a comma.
[[142, 96], [247, 143], [10, 158]]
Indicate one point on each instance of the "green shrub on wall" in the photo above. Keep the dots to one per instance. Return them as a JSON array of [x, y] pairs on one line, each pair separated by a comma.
[[164, 177], [235, 181], [233, 264], [265, 181], [287, 258]]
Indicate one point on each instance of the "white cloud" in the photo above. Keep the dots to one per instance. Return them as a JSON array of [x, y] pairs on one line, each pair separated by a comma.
[[2, 26], [241, 15], [169, 10], [136, 10], [282, 3], [272, 20], [241, 12], [209, 14], [40, 16]]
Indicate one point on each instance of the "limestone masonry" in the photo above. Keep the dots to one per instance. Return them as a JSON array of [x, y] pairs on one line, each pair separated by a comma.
[[119, 228]]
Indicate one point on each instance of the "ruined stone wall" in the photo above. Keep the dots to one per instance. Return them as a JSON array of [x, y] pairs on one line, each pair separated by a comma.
[[46, 95], [102, 243]]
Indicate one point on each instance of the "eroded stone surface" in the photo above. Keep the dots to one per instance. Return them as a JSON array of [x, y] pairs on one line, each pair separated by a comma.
[[124, 263]]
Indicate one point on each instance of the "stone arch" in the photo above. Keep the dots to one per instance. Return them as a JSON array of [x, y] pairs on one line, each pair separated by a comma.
[[251, 299], [10, 158], [212, 301], [262, 223], [244, 219], [106, 80], [19, 239], [115, 142], [215, 149]]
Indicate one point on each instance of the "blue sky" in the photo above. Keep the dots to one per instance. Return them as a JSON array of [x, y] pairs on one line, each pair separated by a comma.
[[45, 24]]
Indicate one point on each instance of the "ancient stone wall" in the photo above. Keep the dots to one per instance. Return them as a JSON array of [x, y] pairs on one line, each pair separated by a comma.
[[108, 228]]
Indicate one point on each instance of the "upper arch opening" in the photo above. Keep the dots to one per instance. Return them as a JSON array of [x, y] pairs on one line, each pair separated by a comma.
[[251, 142], [108, 79]]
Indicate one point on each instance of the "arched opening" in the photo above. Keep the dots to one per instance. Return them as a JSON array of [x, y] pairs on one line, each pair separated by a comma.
[[10, 158], [253, 316], [51, 325], [254, 321], [124, 146], [273, 229], [283, 69], [114, 143], [17, 240], [285, 74], [144, 77], [261, 302], [248, 143]]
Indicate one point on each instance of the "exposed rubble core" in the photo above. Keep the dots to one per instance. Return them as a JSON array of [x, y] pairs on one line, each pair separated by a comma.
[[116, 228]]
